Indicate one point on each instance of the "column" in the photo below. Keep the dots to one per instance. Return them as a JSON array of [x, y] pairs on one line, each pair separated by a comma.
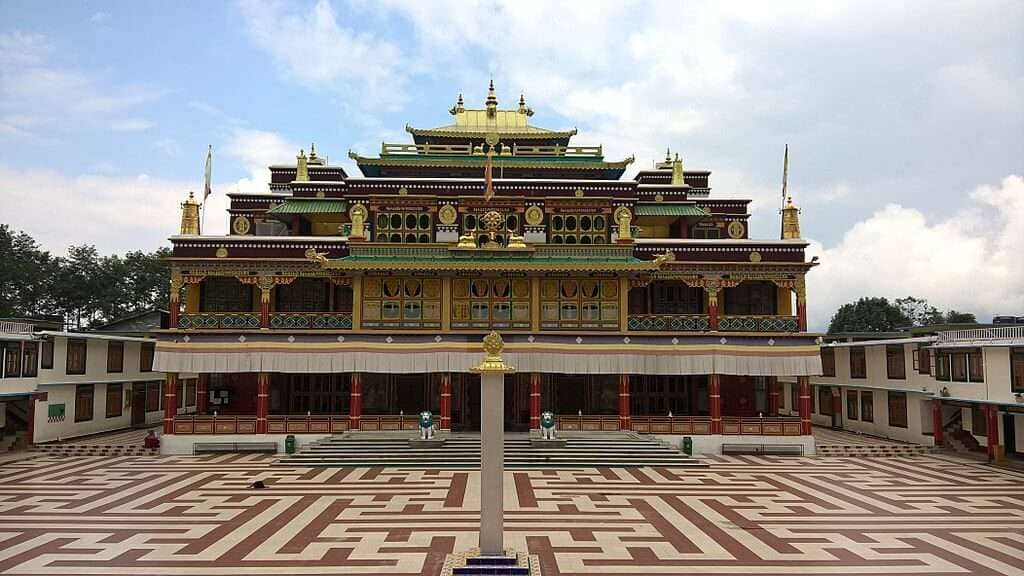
[[535, 401], [712, 308], [625, 423], [265, 288], [446, 402], [355, 406], [805, 404], [170, 402], [715, 402], [801, 306], [492, 462], [30, 415], [175, 301], [773, 396], [937, 432], [992, 430], [262, 401], [202, 393]]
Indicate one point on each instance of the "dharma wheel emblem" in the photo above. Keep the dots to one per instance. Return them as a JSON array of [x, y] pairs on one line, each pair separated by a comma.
[[492, 221]]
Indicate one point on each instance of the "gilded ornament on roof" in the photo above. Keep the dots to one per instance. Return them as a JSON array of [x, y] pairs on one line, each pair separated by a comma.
[[736, 229], [241, 225], [447, 214], [534, 215]]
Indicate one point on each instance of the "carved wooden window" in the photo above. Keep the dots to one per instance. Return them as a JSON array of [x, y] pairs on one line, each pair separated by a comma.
[[115, 356], [83, 402], [396, 302], [898, 409], [676, 298], [472, 223], [578, 229], [114, 400], [858, 363], [757, 298], [490, 303], [895, 362], [303, 295], [828, 362], [403, 227], [579, 303], [225, 295], [76, 352]]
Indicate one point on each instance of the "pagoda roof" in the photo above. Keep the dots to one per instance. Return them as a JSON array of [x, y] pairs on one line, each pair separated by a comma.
[[664, 209], [481, 130], [298, 205]]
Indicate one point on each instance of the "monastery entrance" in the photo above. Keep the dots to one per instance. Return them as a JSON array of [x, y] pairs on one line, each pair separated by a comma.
[[466, 403]]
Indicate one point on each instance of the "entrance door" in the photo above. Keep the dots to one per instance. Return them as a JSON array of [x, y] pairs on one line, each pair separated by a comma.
[[138, 404], [1009, 434]]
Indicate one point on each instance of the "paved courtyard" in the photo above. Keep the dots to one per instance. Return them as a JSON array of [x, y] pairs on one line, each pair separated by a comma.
[[197, 516]]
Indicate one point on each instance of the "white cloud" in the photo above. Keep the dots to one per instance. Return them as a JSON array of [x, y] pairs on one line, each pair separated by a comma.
[[21, 49], [970, 261], [100, 18], [314, 48], [132, 125], [256, 150]]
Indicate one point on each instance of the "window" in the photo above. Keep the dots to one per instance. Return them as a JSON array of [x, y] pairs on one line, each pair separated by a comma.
[[924, 360], [828, 362], [225, 295], [46, 355], [115, 394], [851, 404], [960, 365], [30, 360], [404, 227], [1017, 369], [898, 409], [895, 362], [858, 363], [76, 358], [490, 303], [825, 406], [579, 229], [390, 302], [146, 357], [579, 303], [676, 298], [83, 402], [975, 366], [152, 397], [867, 406], [757, 298], [303, 295], [115, 357], [11, 359]]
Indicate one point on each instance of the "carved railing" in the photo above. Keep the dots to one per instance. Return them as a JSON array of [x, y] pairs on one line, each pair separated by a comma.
[[668, 322], [587, 423], [770, 426], [701, 425], [389, 422], [209, 424], [465, 149], [671, 424], [219, 321], [758, 324], [309, 424], [311, 320]]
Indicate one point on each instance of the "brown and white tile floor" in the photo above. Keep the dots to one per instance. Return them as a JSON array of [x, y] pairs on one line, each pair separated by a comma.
[[743, 515]]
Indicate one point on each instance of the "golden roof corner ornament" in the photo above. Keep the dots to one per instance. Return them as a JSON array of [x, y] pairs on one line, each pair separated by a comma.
[[668, 256], [493, 362], [319, 257], [190, 215], [523, 108]]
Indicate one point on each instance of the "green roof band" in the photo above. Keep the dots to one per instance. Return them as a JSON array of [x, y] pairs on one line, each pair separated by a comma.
[[310, 206], [670, 210]]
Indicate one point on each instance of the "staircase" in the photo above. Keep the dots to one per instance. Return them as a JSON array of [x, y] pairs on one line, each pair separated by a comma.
[[612, 449], [958, 439], [12, 442]]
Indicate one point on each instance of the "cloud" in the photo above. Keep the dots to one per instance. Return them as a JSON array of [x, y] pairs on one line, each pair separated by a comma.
[[100, 18], [968, 261], [256, 150], [315, 49], [132, 125], [21, 49]]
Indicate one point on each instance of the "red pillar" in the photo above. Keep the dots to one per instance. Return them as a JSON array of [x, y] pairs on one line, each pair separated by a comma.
[[715, 402], [992, 430], [937, 432], [625, 423], [170, 402], [535, 401], [262, 401], [202, 393], [264, 307], [773, 396], [801, 316], [355, 409], [446, 401], [713, 310], [805, 404]]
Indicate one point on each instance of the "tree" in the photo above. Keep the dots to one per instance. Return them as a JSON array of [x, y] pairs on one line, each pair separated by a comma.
[[25, 275], [919, 311], [954, 317], [868, 315]]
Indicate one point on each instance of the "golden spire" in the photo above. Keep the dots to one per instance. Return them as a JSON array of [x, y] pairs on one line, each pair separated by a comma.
[[523, 108], [190, 216], [677, 172], [790, 220], [301, 168], [492, 100], [459, 106]]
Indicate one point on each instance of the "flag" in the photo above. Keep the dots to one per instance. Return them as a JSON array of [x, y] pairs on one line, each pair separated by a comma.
[[488, 186], [785, 173], [206, 176]]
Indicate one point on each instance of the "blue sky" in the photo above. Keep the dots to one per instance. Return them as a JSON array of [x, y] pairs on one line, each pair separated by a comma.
[[905, 121]]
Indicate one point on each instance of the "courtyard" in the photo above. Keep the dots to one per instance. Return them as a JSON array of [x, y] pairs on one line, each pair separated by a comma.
[[142, 515]]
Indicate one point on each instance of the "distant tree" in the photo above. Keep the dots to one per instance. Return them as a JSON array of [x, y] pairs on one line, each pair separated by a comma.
[[954, 317], [919, 311], [25, 275], [868, 315]]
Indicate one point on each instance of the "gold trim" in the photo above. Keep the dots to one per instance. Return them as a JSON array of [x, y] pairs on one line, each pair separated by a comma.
[[493, 362]]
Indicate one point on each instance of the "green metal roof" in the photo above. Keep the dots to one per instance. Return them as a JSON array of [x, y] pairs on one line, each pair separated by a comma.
[[310, 206], [670, 210]]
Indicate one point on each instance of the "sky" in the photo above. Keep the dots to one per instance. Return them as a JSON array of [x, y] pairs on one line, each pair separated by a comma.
[[905, 120]]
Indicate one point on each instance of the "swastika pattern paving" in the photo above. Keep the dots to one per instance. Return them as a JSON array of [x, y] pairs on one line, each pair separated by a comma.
[[743, 515]]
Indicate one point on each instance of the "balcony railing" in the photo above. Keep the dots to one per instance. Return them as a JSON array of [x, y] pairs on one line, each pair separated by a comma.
[[311, 320], [669, 322], [758, 323], [9, 327], [982, 334], [219, 320]]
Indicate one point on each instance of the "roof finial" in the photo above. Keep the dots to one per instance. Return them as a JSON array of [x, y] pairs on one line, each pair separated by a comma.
[[668, 154], [677, 172], [301, 168], [459, 106], [523, 108], [492, 100], [312, 150]]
